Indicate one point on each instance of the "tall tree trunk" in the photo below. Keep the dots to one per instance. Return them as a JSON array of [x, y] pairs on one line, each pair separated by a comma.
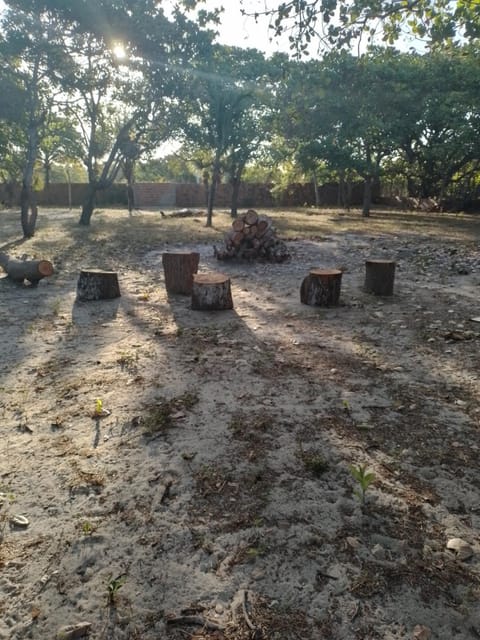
[[213, 190], [28, 211], [48, 169], [367, 196], [130, 198], [235, 194], [28, 207], [341, 188], [316, 190], [88, 205]]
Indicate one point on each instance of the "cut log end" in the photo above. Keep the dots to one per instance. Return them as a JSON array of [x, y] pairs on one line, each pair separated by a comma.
[[31, 270], [252, 237]]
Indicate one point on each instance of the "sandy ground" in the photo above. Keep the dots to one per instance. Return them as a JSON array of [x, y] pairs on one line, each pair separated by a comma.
[[216, 500]]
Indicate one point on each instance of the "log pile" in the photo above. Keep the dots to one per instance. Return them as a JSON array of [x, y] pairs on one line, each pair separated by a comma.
[[252, 237]]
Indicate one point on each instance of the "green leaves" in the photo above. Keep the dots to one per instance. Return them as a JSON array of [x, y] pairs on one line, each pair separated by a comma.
[[434, 20], [364, 479]]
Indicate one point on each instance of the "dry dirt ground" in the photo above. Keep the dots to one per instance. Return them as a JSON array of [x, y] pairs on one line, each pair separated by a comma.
[[217, 500]]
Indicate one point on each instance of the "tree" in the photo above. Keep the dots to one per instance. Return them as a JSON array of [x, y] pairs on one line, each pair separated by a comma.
[[224, 105], [58, 142], [31, 49], [446, 137], [114, 105]]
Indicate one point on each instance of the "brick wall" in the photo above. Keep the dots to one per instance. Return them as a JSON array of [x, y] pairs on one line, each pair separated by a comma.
[[157, 195]]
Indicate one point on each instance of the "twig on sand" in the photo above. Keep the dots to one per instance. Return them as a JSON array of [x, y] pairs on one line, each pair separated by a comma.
[[257, 633]]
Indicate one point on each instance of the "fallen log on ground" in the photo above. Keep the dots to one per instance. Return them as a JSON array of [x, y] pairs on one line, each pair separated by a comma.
[[20, 270]]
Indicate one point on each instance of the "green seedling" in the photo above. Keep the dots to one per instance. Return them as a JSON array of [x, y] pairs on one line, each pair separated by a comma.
[[98, 407], [113, 587], [364, 479], [87, 528]]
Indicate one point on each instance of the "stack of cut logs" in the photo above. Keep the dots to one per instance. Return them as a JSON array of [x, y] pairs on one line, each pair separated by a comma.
[[252, 237]]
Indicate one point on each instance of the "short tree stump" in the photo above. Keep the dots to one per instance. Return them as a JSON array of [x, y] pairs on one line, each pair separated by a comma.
[[211, 292], [379, 277], [179, 269], [321, 287], [94, 284]]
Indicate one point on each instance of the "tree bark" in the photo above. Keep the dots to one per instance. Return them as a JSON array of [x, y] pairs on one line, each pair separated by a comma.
[[213, 190], [28, 211], [88, 205], [211, 292], [235, 194], [367, 196], [94, 284], [179, 269], [321, 287], [20, 270], [379, 277]]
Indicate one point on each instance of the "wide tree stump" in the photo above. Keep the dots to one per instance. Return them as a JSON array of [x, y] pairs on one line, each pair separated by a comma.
[[211, 292], [20, 270], [321, 287], [379, 277], [94, 284], [179, 269]]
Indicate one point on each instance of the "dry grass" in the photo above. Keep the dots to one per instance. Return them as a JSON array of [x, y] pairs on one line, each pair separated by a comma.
[[60, 237]]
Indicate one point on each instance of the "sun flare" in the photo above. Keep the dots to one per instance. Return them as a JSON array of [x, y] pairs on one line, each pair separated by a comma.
[[119, 51]]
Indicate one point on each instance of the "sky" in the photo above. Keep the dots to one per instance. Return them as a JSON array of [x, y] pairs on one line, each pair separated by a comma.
[[243, 31]]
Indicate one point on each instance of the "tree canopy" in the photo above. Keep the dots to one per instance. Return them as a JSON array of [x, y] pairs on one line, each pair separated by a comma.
[[338, 23]]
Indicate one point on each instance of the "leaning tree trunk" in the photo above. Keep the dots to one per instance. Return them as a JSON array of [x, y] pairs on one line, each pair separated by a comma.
[[88, 205]]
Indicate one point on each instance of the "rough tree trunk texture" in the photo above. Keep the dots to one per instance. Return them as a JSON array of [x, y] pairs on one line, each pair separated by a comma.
[[321, 287], [379, 277], [235, 194], [88, 206], [367, 197], [28, 212], [20, 270], [211, 292], [179, 269], [94, 284]]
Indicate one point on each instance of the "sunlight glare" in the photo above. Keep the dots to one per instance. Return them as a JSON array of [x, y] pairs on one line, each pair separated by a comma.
[[119, 51]]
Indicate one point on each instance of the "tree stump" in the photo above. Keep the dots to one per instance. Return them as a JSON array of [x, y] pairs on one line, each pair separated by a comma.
[[179, 269], [94, 284], [379, 277], [321, 287], [211, 292], [20, 270]]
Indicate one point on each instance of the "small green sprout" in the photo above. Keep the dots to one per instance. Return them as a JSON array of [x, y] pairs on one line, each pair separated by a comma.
[[87, 528], [114, 585], [98, 406], [364, 479]]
